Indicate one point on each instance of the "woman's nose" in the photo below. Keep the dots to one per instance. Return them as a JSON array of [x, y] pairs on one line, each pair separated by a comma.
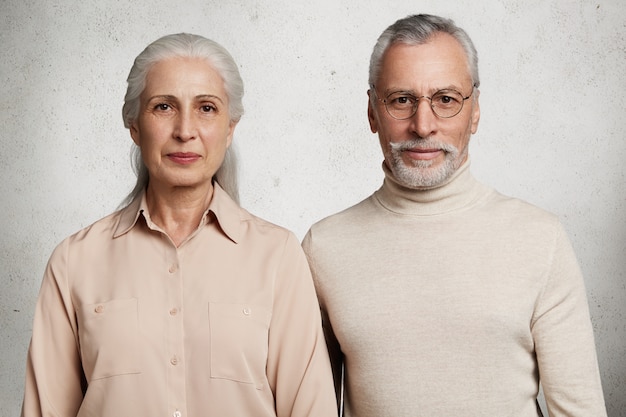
[[185, 127]]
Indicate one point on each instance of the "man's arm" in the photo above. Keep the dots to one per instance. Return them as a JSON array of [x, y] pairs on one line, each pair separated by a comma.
[[334, 349], [564, 340]]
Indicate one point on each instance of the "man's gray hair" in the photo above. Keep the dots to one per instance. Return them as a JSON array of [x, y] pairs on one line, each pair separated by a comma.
[[417, 30], [187, 46]]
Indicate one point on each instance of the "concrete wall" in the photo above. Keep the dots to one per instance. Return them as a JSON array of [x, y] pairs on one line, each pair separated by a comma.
[[553, 126]]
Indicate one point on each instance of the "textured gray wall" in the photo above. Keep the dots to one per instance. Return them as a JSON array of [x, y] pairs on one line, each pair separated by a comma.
[[552, 131]]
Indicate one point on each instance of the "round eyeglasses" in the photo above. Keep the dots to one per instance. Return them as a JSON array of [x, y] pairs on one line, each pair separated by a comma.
[[402, 105]]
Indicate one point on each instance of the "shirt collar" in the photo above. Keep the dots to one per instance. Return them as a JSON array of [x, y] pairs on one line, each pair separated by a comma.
[[224, 210], [229, 215]]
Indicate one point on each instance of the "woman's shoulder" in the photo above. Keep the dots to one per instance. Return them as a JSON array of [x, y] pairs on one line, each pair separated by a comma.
[[256, 224], [103, 227]]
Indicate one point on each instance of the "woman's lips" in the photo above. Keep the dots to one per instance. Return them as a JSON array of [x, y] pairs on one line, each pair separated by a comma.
[[183, 158]]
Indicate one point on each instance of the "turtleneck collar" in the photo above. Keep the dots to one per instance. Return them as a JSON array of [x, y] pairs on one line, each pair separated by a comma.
[[458, 192]]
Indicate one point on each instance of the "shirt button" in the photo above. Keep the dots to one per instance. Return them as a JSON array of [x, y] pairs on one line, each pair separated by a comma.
[[247, 311], [173, 312], [173, 269], [177, 414], [99, 309], [174, 360]]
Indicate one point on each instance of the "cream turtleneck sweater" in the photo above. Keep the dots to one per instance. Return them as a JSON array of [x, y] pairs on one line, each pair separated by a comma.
[[454, 301]]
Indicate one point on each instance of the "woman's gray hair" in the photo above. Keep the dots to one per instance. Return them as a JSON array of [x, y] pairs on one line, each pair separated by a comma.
[[188, 46], [417, 30]]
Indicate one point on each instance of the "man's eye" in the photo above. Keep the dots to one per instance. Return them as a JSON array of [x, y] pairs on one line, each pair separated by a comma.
[[447, 99], [402, 100]]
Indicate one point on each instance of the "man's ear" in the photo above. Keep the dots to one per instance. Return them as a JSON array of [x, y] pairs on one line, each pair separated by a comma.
[[475, 111], [371, 114]]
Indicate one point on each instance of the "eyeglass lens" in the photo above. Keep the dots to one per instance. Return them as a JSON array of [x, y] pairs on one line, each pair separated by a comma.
[[445, 103]]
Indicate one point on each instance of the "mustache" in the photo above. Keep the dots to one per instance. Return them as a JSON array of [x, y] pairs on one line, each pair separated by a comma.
[[427, 143]]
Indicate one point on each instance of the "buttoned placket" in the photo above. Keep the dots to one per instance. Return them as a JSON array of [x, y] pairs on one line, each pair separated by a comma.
[[173, 312]]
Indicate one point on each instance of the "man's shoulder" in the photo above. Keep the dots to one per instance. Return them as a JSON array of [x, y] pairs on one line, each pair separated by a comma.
[[347, 218], [519, 217], [521, 208]]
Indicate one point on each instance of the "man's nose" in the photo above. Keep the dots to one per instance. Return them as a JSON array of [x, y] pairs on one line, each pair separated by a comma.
[[424, 121]]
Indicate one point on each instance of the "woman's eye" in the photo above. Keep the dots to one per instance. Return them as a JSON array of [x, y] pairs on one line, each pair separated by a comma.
[[162, 107], [207, 108]]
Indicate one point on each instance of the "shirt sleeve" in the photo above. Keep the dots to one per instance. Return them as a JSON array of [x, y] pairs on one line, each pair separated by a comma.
[[298, 365], [54, 379], [564, 341]]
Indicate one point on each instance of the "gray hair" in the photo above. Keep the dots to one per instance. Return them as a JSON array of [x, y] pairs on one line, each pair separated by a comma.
[[188, 46], [417, 30]]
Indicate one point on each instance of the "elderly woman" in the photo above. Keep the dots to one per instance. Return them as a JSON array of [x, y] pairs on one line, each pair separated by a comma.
[[182, 303]]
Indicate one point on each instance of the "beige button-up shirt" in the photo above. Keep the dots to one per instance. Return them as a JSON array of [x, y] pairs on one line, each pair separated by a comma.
[[227, 324]]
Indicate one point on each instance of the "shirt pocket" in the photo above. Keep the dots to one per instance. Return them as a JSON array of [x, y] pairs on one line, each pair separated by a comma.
[[239, 342], [109, 338]]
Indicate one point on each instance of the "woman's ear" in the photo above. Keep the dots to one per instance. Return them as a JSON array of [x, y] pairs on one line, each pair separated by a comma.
[[134, 132], [231, 132]]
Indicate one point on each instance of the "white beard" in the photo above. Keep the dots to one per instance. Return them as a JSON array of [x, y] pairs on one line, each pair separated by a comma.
[[421, 173]]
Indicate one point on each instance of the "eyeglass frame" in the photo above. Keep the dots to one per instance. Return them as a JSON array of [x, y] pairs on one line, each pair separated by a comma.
[[417, 101]]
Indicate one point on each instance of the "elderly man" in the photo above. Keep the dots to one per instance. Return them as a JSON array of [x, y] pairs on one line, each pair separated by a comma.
[[440, 296]]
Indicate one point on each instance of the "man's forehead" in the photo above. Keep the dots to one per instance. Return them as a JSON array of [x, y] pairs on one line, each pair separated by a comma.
[[437, 64]]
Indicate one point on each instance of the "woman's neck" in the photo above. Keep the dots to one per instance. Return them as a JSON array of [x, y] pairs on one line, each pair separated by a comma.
[[178, 210]]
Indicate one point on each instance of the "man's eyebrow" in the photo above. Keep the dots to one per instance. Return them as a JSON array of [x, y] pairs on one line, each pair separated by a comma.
[[449, 87], [395, 90], [413, 93]]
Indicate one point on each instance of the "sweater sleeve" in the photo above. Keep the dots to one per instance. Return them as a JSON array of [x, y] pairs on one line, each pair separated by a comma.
[[54, 378], [334, 349], [298, 366], [564, 341]]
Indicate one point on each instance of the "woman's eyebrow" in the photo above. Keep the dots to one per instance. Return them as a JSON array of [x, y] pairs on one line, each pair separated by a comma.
[[208, 97]]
